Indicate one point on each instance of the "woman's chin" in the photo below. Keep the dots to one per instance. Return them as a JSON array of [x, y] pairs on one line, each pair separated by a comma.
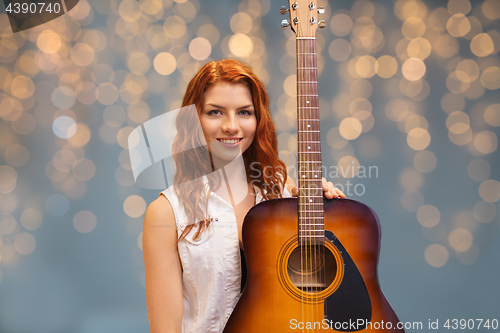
[[223, 152]]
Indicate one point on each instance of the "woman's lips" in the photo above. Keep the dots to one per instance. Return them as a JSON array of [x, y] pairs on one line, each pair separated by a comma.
[[230, 144]]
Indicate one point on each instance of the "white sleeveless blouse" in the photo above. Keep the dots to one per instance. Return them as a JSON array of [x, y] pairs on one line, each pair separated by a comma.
[[211, 266]]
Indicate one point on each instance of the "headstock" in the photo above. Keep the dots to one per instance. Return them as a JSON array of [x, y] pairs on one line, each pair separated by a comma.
[[303, 17]]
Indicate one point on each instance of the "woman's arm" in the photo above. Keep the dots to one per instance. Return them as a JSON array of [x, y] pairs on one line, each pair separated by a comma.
[[163, 268]]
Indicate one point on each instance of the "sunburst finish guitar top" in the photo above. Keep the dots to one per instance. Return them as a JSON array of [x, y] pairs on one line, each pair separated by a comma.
[[311, 262]]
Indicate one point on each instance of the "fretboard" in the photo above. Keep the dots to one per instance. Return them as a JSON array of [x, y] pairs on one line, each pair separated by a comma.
[[311, 223]]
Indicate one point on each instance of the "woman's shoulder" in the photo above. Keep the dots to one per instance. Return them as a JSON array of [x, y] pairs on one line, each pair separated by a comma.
[[159, 212]]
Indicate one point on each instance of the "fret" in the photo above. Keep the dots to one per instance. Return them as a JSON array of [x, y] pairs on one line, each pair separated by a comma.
[[310, 141], [307, 68], [299, 82], [309, 152], [313, 211], [315, 235], [305, 37], [310, 162]]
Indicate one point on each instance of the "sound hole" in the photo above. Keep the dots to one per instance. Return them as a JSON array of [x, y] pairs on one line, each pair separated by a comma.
[[311, 268]]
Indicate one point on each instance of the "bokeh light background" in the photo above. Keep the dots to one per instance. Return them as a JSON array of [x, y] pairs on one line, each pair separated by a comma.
[[408, 88]]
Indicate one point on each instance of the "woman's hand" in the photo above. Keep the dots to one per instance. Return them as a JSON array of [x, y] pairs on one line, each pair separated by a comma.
[[329, 191]]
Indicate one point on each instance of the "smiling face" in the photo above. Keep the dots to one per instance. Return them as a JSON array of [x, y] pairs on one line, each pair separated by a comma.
[[228, 120]]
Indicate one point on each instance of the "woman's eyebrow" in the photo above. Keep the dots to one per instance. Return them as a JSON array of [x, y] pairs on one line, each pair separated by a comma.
[[221, 107]]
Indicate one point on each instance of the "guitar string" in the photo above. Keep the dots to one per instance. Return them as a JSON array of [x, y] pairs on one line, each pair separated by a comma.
[[300, 183]]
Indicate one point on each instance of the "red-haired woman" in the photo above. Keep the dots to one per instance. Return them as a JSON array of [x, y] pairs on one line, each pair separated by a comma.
[[226, 155]]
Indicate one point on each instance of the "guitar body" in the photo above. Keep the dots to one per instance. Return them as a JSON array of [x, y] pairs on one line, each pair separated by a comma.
[[272, 303]]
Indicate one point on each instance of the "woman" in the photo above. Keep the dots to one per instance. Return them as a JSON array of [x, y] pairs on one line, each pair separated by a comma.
[[227, 161]]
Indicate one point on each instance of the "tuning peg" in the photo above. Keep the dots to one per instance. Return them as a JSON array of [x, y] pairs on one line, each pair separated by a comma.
[[321, 10], [296, 20], [312, 5], [283, 10], [285, 24], [322, 24]]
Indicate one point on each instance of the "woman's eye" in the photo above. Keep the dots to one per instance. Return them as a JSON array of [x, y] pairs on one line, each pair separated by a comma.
[[213, 112], [246, 113]]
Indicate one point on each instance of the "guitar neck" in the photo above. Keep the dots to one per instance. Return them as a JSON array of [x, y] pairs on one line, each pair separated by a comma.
[[311, 223]]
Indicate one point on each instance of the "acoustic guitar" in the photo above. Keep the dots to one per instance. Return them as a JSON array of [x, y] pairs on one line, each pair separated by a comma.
[[311, 262]]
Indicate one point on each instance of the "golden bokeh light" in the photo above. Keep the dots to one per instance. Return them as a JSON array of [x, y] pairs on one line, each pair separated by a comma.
[[462, 138], [458, 122], [410, 179], [486, 142], [419, 48], [122, 136], [460, 239], [165, 63], [428, 216], [107, 93], [413, 27], [339, 49], [479, 170], [8, 179], [365, 66], [482, 45], [484, 212], [445, 46], [491, 9], [436, 255], [175, 27], [240, 45], [84, 169], [490, 78], [386, 66], [16, 155], [49, 41], [139, 63], [425, 161], [130, 10], [84, 221], [348, 166], [241, 23], [455, 85], [134, 206], [22, 87], [458, 25], [395, 108], [492, 115], [350, 128], [459, 6], [24, 243], [413, 69], [408, 9], [412, 200], [418, 138], [31, 219], [489, 190], [81, 137], [82, 54], [341, 24], [467, 70], [200, 48]]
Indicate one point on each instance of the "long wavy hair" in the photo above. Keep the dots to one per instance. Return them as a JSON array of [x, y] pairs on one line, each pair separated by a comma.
[[263, 167]]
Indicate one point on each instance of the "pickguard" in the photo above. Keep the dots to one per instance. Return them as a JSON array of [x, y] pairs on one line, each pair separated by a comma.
[[351, 301]]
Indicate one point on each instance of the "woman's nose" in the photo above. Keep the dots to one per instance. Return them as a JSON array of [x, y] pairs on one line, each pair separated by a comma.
[[230, 124]]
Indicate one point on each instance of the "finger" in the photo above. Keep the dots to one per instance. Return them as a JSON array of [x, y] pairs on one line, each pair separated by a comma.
[[340, 193], [295, 192]]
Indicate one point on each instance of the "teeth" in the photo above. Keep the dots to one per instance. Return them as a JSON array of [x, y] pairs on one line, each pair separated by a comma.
[[229, 141]]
